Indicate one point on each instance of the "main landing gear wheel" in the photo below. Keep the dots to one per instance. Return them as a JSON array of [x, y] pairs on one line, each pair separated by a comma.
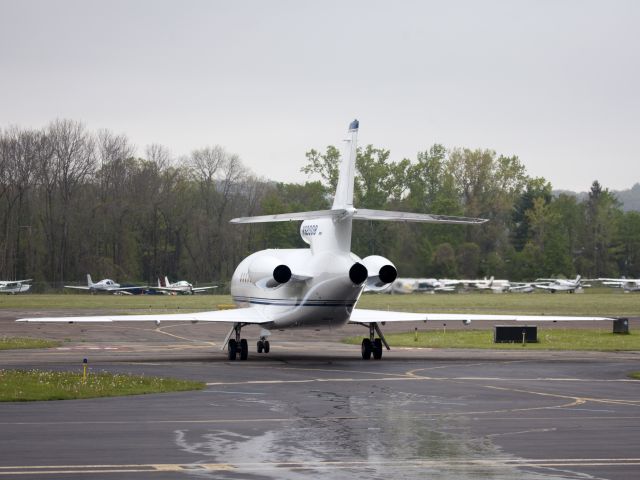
[[372, 345], [366, 348], [377, 349], [260, 346], [244, 349], [237, 345], [232, 349]]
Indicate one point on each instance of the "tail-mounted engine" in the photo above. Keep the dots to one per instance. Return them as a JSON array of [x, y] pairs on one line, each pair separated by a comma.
[[267, 271], [381, 272]]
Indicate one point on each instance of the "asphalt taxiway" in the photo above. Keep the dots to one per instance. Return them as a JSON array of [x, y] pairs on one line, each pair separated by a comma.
[[312, 407]]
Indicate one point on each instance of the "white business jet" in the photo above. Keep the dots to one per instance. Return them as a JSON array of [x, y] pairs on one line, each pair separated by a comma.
[[14, 286], [316, 287], [181, 286], [106, 285]]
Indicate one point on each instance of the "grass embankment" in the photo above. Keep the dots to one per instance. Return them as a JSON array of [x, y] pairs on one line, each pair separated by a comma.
[[13, 343], [635, 375], [556, 339], [31, 385]]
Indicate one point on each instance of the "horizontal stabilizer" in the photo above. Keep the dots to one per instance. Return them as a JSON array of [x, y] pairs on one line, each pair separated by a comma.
[[360, 214], [290, 217], [364, 214]]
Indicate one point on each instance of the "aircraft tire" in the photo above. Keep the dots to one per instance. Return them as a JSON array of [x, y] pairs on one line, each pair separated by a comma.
[[366, 349], [266, 346], [260, 346], [232, 349], [244, 349], [377, 349]]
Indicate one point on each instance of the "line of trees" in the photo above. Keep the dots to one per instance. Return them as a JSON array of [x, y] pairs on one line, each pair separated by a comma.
[[74, 201]]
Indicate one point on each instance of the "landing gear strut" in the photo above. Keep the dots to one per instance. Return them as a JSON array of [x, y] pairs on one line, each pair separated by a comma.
[[372, 345]]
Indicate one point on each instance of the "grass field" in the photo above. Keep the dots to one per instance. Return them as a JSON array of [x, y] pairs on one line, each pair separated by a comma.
[[607, 302], [556, 339], [31, 385], [635, 375], [13, 343]]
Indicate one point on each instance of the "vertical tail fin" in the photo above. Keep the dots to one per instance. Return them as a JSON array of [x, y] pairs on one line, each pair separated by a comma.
[[344, 191], [578, 279], [89, 282], [166, 281], [159, 284]]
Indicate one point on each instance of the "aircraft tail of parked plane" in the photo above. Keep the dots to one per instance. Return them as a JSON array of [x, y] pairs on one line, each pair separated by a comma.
[[316, 287]]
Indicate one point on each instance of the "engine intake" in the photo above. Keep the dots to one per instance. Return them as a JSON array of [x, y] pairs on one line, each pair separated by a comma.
[[382, 272], [358, 273], [282, 274]]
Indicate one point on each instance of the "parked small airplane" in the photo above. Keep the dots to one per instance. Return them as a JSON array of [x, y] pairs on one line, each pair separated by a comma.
[[14, 286], [181, 286], [560, 285], [316, 287], [521, 287], [627, 284], [496, 286], [422, 285], [106, 285]]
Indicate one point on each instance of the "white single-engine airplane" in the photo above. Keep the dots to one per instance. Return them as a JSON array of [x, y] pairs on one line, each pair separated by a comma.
[[14, 286], [106, 285], [316, 287], [560, 285], [627, 284], [181, 286]]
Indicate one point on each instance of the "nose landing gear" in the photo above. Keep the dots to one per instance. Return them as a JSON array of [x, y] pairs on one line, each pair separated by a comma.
[[263, 345]]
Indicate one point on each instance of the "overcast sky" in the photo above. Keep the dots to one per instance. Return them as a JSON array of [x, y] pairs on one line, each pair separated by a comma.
[[553, 82]]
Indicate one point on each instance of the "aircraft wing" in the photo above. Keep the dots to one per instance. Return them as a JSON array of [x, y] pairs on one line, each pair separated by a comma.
[[77, 288], [367, 316], [549, 287], [202, 289], [243, 315]]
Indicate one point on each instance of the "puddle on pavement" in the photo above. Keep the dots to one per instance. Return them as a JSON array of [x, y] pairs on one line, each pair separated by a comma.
[[352, 437]]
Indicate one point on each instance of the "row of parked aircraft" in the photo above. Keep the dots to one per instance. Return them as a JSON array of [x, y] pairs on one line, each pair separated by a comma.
[[316, 287], [434, 285], [109, 286]]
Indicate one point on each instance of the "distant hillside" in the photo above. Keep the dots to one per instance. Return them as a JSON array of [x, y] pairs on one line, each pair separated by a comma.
[[630, 198]]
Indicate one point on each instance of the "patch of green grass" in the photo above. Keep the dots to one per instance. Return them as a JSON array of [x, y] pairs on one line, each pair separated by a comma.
[[123, 303], [600, 302], [32, 385], [605, 303], [13, 343], [635, 375], [555, 339]]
